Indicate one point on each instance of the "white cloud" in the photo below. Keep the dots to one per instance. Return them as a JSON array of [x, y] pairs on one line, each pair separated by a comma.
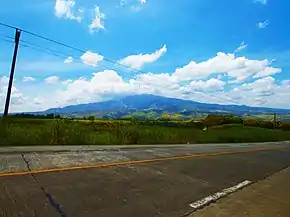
[[238, 80], [157, 79], [235, 67], [155, 83], [212, 84], [51, 79], [267, 71], [225, 79], [68, 60], [97, 22], [137, 61], [261, 87], [64, 9], [17, 98], [262, 92], [28, 78], [132, 2], [107, 84], [89, 90], [220, 76], [67, 81], [92, 59], [4, 80], [123, 2], [241, 47], [134, 5], [259, 84], [285, 82], [264, 2], [37, 101], [263, 25]]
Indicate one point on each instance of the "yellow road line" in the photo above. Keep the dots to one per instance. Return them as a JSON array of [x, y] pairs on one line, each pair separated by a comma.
[[135, 162]]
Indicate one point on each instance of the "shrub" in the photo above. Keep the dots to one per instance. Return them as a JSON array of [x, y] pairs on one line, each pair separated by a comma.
[[251, 123], [214, 120], [133, 136], [64, 131], [284, 126], [225, 126], [128, 135], [266, 124], [195, 124], [234, 120], [57, 116], [91, 118], [3, 129]]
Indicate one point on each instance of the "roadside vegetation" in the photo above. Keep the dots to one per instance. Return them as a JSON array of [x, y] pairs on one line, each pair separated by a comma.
[[212, 129]]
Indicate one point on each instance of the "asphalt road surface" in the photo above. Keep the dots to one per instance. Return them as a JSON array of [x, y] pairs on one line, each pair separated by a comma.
[[138, 181]]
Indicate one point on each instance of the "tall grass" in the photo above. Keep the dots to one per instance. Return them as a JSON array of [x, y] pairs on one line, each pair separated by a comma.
[[68, 132]]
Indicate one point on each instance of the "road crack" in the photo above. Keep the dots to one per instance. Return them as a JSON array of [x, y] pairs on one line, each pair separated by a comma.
[[52, 202]]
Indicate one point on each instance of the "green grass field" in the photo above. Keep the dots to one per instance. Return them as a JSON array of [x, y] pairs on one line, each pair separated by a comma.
[[22, 131]]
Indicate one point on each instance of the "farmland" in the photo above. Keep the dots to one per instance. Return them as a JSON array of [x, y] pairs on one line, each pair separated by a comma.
[[213, 129]]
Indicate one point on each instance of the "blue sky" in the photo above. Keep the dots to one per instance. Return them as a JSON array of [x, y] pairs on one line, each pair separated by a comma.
[[227, 51]]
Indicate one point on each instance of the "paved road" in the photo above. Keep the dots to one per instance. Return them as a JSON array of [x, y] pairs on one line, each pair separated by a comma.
[[269, 197], [163, 186]]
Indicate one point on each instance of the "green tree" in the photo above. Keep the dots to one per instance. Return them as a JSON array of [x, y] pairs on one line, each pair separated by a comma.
[[57, 116], [91, 118]]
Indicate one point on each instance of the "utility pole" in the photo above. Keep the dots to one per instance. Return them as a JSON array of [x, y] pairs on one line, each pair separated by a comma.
[[17, 37], [275, 120]]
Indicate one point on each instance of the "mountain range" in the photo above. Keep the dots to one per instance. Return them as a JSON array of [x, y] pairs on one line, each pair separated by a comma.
[[153, 106]]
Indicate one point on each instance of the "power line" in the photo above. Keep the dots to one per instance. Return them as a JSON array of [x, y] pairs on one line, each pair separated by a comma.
[[8, 26], [55, 53], [6, 40], [69, 46], [52, 52], [7, 36], [39, 50], [49, 51], [32, 45]]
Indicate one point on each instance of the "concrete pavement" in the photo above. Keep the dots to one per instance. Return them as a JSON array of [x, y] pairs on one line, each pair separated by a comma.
[[150, 188], [46, 157], [266, 198], [83, 148]]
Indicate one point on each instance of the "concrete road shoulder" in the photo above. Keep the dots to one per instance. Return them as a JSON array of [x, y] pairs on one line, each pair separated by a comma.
[[267, 198]]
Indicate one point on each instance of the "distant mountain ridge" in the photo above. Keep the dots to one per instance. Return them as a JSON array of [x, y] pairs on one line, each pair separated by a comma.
[[153, 105]]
